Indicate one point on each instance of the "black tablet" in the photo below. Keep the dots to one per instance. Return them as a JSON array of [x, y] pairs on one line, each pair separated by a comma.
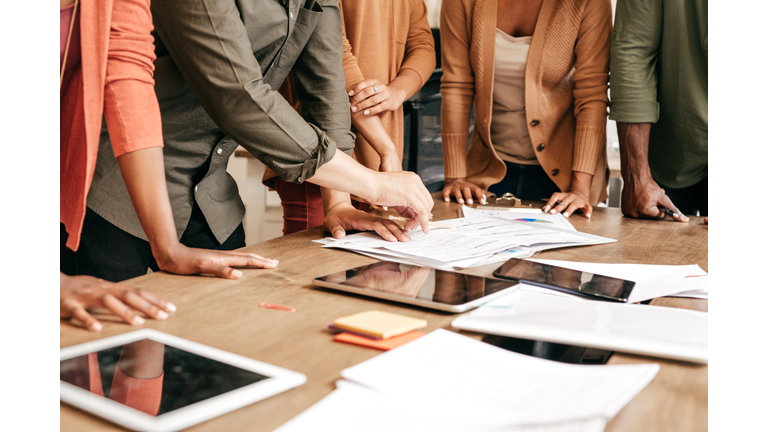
[[583, 284], [421, 286]]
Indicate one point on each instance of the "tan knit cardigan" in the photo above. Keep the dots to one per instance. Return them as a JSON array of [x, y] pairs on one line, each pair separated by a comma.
[[566, 84]]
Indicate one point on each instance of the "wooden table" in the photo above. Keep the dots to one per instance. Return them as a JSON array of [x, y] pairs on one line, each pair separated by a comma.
[[225, 314]]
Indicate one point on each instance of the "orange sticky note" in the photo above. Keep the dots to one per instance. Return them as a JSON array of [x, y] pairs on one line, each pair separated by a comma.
[[381, 344]]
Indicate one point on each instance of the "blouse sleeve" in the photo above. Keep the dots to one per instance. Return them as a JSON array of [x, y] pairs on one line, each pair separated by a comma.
[[130, 103], [420, 45], [352, 73]]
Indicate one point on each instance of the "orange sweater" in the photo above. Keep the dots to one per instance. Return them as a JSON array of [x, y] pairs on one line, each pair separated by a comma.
[[383, 37], [114, 81], [566, 83]]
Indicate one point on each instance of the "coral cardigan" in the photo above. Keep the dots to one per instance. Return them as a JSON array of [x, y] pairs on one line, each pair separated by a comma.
[[366, 25], [114, 81], [566, 83]]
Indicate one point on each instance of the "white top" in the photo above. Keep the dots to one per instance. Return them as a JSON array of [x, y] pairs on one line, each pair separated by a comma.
[[509, 129]]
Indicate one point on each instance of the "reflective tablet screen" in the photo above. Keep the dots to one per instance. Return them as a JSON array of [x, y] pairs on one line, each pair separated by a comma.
[[153, 377], [420, 283]]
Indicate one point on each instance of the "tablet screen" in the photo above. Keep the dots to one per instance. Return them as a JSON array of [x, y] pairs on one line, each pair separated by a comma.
[[420, 283], [153, 377]]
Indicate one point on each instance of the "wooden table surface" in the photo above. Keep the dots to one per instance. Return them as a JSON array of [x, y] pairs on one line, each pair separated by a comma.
[[225, 314]]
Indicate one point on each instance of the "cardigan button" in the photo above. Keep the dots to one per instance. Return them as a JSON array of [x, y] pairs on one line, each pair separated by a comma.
[[555, 172], [534, 123], [540, 147]]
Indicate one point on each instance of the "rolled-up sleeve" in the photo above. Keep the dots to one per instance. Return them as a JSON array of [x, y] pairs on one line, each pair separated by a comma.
[[130, 105], [318, 77], [209, 44], [634, 54]]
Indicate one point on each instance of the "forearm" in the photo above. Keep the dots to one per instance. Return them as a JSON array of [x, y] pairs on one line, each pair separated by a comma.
[[144, 175], [344, 174], [372, 129], [406, 84], [633, 147], [332, 198]]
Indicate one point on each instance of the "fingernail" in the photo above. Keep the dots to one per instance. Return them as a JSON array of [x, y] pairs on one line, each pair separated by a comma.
[[366, 112], [171, 307], [354, 109], [237, 273], [469, 201], [96, 326], [552, 212], [137, 320], [565, 214], [546, 209], [447, 200], [161, 315], [351, 93], [461, 201], [589, 215], [338, 233]]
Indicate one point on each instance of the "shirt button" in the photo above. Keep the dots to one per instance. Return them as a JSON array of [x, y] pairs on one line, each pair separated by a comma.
[[555, 172], [300, 180], [534, 123], [218, 151], [291, 14], [540, 147], [195, 188]]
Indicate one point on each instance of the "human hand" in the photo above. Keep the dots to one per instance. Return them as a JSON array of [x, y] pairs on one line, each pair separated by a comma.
[[371, 97], [180, 259], [343, 217], [463, 190], [78, 293], [642, 200], [404, 191], [567, 203]]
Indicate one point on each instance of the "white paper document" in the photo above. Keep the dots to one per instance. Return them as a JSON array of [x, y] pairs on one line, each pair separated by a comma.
[[354, 408], [473, 240], [557, 220], [454, 375], [651, 281]]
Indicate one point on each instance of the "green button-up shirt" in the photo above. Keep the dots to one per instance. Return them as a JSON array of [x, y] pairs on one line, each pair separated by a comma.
[[219, 65], [659, 75]]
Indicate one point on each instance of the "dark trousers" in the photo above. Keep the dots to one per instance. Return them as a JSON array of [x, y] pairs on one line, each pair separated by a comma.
[[529, 182], [109, 253], [693, 200]]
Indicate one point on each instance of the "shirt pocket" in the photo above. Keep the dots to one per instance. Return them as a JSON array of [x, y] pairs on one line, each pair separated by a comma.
[[306, 21]]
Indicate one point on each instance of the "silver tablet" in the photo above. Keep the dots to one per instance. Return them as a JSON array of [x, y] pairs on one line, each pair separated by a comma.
[[151, 381], [421, 286]]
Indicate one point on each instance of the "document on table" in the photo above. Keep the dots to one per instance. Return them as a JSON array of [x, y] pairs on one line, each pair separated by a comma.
[[651, 281], [473, 240], [557, 220], [455, 375], [353, 408]]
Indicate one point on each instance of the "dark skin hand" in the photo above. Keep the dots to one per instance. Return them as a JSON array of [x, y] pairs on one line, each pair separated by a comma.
[[641, 196]]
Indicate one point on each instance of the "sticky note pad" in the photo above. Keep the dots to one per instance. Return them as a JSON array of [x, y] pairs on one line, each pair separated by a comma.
[[378, 324], [382, 344]]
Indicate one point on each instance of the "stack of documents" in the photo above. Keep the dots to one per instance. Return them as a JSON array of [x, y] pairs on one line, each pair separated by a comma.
[[447, 382], [474, 241]]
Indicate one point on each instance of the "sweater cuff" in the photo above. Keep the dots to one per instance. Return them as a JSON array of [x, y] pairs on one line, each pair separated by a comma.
[[589, 142], [455, 155], [634, 111]]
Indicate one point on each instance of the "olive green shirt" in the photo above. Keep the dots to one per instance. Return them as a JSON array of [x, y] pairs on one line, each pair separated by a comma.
[[659, 75], [219, 65]]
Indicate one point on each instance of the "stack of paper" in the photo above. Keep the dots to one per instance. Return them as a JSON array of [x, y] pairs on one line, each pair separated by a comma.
[[447, 382], [474, 240]]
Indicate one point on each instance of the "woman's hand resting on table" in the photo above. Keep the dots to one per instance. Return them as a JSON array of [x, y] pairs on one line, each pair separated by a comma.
[[463, 191], [78, 293], [343, 217], [568, 203], [180, 259]]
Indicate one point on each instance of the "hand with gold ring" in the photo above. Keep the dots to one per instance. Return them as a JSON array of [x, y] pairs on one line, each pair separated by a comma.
[[371, 97]]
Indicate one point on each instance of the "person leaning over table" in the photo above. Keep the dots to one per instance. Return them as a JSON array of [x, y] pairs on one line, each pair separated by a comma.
[[389, 54], [217, 66], [537, 73], [108, 72], [659, 78]]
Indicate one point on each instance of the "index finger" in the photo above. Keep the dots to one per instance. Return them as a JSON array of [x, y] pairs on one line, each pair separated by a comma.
[[360, 86]]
